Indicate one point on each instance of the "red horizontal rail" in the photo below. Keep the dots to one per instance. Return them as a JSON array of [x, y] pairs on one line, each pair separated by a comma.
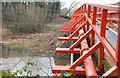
[[109, 12], [108, 7], [111, 19], [64, 69]]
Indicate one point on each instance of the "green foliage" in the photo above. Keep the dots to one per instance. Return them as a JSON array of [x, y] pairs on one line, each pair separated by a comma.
[[106, 65], [16, 47], [37, 27], [25, 69]]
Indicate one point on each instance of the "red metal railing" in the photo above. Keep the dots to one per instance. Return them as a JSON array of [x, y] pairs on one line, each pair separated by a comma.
[[85, 18]]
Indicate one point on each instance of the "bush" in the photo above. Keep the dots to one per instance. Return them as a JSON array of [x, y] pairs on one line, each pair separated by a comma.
[[29, 28], [37, 28]]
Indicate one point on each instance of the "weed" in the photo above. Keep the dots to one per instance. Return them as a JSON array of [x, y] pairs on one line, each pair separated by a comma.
[[16, 47]]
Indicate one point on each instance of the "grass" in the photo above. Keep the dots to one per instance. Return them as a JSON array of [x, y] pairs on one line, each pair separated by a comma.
[[16, 47]]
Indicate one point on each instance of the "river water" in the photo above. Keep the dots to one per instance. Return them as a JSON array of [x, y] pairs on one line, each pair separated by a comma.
[[16, 60], [42, 68]]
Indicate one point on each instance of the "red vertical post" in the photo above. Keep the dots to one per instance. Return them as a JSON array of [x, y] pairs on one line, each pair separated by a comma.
[[102, 33], [118, 49], [93, 23], [94, 16], [84, 8], [103, 23], [100, 57], [89, 9], [81, 13]]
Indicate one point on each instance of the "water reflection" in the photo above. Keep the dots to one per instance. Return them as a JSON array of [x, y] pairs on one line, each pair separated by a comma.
[[44, 60]]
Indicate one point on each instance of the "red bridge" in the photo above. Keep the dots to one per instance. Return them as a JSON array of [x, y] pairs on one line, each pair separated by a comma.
[[82, 25]]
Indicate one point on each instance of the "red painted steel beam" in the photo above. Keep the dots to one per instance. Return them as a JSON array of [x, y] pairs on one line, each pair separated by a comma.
[[118, 48], [89, 66], [88, 14], [118, 42], [100, 57], [66, 25], [88, 62], [67, 50], [74, 15], [94, 23], [71, 38], [103, 23], [83, 57], [102, 34], [63, 30], [84, 9], [115, 19], [108, 7], [104, 42], [77, 22], [109, 12], [68, 39], [63, 69], [89, 10], [80, 39], [78, 29], [71, 26], [77, 11], [110, 19]]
